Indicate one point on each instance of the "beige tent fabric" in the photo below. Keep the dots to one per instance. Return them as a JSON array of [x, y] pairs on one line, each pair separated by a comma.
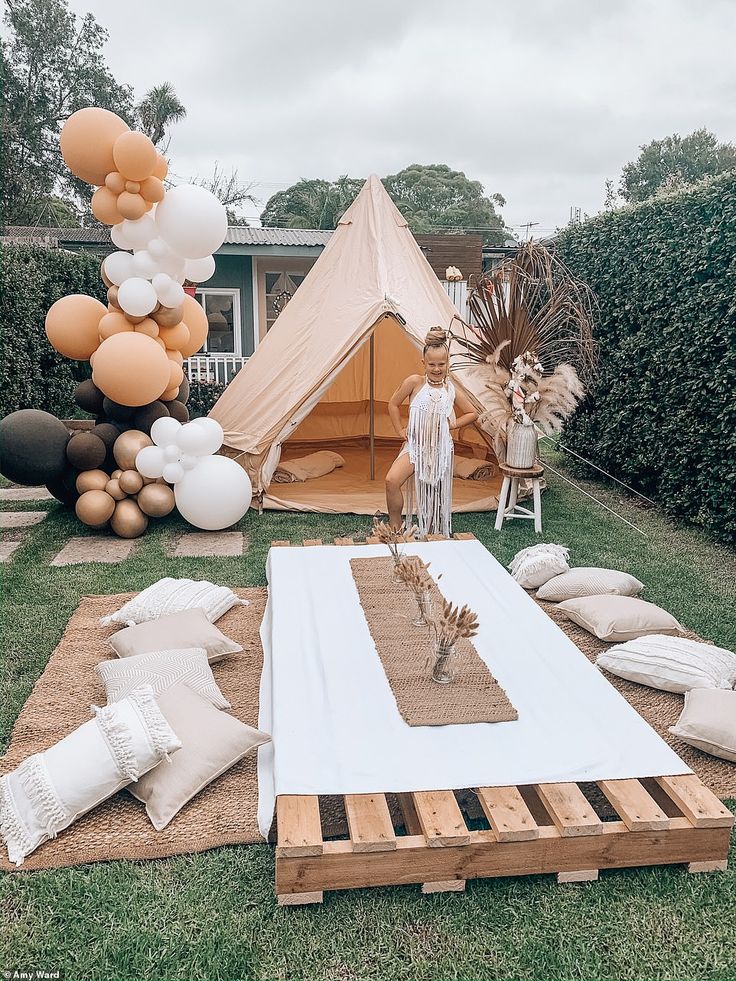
[[309, 378]]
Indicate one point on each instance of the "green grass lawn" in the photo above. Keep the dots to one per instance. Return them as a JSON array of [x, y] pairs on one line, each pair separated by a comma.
[[214, 915]]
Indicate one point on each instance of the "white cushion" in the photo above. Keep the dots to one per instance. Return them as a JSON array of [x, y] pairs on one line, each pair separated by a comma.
[[671, 663], [533, 566], [161, 670], [619, 618], [708, 722], [173, 595], [50, 790], [588, 581]]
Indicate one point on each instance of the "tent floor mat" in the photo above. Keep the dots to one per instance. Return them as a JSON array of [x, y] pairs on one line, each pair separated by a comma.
[[349, 489]]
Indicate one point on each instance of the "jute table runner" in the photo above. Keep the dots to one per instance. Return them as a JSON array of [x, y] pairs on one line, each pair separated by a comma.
[[406, 655]]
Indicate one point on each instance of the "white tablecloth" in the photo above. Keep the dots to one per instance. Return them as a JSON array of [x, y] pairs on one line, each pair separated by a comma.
[[335, 726]]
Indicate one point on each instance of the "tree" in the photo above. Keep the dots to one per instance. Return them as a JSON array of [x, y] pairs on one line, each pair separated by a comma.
[[311, 203], [674, 162], [230, 192], [51, 65], [159, 109]]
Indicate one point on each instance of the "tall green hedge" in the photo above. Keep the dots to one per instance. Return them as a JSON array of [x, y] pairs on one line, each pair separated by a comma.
[[32, 374], [662, 414]]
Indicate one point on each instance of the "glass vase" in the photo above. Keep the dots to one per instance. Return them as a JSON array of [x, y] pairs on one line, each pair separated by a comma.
[[445, 663], [424, 607], [397, 580]]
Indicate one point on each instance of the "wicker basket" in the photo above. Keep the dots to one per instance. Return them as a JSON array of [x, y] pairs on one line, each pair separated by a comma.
[[521, 446]]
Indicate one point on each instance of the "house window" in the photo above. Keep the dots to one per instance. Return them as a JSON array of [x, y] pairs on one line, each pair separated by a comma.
[[280, 288], [222, 308]]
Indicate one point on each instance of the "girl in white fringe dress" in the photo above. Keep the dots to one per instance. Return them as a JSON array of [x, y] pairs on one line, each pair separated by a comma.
[[428, 449]]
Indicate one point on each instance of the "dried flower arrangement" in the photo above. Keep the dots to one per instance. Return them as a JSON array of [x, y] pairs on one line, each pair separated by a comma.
[[453, 623], [415, 574], [392, 539]]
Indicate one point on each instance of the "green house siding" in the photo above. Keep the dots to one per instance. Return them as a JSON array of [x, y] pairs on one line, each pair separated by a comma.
[[236, 272]]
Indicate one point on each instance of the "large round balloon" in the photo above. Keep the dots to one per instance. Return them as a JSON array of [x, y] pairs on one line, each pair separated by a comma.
[[135, 155], [33, 446], [196, 320], [215, 494], [192, 221], [72, 325], [64, 487], [87, 139], [131, 368]]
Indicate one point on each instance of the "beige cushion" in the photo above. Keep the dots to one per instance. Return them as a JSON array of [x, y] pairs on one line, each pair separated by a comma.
[[173, 595], [212, 742], [161, 670], [619, 618], [587, 581], [671, 663], [708, 722], [190, 628]]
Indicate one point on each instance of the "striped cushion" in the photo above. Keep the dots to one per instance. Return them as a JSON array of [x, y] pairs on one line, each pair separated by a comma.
[[587, 581], [173, 595], [161, 670], [671, 663]]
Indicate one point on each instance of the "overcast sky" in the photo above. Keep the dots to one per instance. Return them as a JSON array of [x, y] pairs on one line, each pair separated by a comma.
[[540, 100]]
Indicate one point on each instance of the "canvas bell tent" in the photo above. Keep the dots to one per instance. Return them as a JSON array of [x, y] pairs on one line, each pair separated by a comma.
[[323, 376]]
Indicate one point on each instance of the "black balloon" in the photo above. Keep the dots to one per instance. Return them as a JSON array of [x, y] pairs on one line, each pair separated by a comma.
[[85, 451], [64, 487], [183, 395], [117, 412], [107, 432], [89, 397], [178, 411], [32, 447], [148, 414]]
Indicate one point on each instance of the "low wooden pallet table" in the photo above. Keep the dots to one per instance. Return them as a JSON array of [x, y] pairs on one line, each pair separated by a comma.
[[534, 829]]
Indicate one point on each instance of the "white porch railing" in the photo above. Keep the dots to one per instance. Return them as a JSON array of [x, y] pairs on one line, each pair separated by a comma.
[[209, 368], [458, 293]]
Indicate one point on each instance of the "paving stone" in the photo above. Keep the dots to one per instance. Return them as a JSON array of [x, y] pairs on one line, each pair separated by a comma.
[[203, 544], [21, 519], [25, 494], [7, 549], [94, 548]]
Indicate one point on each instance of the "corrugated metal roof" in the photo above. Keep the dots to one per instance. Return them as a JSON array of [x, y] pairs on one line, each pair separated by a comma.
[[236, 235]]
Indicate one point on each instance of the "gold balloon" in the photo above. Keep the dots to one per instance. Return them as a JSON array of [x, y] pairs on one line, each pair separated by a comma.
[[91, 480], [95, 508], [127, 447], [104, 277], [168, 316], [128, 521], [115, 474], [113, 488], [135, 320], [130, 481], [156, 499], [112, 297]]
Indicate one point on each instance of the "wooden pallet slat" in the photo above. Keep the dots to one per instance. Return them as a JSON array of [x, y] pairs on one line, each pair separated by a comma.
[[637, 809], [569, 809], [282, 543], [464, 536], [440, 818], [437, 538], [344, 541], [369, 821], [372, 540], [507, 813], [299, 827], [312, 541], [699, 805]]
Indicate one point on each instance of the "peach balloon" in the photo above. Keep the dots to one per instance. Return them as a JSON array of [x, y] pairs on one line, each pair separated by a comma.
[[176, 374], [169, 316], [95, 508], [131, 368], [127, 447], [87, 140], [105, 206], [113, 323], [135, 156], [130, 481], [91, 480], [169, 395], [113, 488], [162, 168], [131, 206], [132, 186], [152, 189], [196, 320], [147, 326], [128, 521], [159, 341], [175, 338], [72, 326], [115, 182], [176, 356], [156, 500]]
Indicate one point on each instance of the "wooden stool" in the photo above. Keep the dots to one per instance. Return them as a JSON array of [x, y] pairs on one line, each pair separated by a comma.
[[507, 506]]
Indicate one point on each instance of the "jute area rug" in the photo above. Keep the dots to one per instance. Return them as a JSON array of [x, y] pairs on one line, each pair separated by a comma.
[[225, 812]]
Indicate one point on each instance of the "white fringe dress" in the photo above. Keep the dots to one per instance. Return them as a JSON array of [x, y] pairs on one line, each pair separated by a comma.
[[430, 448]]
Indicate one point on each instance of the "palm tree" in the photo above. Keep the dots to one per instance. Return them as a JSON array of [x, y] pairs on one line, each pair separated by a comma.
[[159, 109]]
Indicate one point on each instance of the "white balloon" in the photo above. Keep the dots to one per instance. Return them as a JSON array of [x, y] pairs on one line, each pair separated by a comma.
[[157, 247], [173, 472], [137, 297], [164, 431], [145, 265], [174, 266], [149, 461], [215, 433], [192, 439], [140, 232], [117, 234], [215, 494], [188, 461], [119, 267], [169, 293], [199, 270], [192, 221], [172, 453]]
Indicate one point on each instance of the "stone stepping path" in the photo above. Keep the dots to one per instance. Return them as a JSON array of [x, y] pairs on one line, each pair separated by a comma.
[[7, 549], [205, 544], [25, 494], [94, 548], [21, 519]]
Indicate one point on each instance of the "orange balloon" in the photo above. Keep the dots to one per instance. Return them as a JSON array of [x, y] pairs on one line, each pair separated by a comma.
[[132, 186], [152, 189], [162, 167], [135, 156], [159, 341], [87, 140], [176, 375], [196, 320], [169, 395], [115, 182], [72, 326], [131, 206], [114, 322], [131, 368], [176, 356], [105, 206], [175, 338], [147, 326]]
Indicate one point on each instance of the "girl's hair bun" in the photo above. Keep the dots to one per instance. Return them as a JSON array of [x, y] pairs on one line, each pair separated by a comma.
[[436, 338]]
